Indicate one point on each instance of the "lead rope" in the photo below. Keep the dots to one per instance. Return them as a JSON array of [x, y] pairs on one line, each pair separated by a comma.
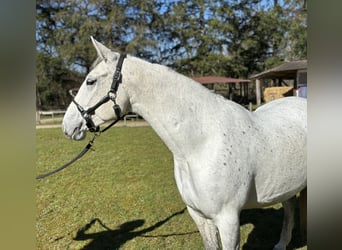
[[83, 152]]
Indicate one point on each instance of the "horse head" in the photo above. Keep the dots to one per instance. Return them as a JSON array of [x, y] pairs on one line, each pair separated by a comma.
[[94, 95]]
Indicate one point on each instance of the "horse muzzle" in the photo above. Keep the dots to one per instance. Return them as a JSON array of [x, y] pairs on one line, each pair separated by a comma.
[[75, 133]]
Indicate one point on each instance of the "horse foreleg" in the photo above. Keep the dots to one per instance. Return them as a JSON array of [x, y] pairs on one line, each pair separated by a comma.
[[228, 224], [206, 228], [288, 223]]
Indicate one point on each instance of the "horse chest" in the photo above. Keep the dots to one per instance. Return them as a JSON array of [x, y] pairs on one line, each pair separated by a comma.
[[185, 183], [206, 189]]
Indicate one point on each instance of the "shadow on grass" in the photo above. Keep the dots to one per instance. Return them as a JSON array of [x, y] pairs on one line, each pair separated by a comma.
[[115, 238], [267, 224]]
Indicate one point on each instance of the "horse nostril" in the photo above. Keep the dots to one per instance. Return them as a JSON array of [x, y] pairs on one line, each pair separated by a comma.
[[64, 130], [66, 133]]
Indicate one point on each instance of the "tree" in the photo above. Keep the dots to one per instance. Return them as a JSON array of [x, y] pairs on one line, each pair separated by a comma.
[[234, 38], [296, 12], [49, 73]]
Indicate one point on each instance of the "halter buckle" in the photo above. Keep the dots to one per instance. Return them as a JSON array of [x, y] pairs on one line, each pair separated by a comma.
[[112, 96]]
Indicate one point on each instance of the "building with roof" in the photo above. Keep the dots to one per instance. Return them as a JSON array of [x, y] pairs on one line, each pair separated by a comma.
[[292, 74]]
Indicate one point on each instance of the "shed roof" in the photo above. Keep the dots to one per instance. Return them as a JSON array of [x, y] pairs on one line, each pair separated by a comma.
[[286, 71], [217, 79]]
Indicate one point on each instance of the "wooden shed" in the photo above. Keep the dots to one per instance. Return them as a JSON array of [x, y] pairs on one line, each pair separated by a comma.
[[226, 86], [290, 74]]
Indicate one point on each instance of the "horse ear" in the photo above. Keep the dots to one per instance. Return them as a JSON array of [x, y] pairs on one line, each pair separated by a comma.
[[102, 51]]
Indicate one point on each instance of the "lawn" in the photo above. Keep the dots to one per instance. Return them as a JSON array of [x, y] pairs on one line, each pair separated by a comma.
[[123, 195]]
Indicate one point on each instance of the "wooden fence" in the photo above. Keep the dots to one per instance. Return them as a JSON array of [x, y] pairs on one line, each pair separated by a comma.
[[50, 114]]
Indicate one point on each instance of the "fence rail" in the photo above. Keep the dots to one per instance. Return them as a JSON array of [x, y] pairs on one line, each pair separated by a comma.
[[51, 113], [43, 117]]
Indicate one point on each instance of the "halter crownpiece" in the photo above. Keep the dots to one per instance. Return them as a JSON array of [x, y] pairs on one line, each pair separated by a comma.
[[111, 95], [117, 78]]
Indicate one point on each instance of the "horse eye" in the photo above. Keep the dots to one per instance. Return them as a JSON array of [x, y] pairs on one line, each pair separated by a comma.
[[91, 81]]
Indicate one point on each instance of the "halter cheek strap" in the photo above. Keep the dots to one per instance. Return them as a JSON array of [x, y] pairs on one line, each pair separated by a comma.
[[117, 78]]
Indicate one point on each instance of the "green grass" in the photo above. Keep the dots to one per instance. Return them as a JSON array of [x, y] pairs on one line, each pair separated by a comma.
[[123, 195]]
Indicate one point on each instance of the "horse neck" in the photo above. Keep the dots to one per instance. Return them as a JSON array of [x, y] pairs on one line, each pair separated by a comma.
[[174, 105]]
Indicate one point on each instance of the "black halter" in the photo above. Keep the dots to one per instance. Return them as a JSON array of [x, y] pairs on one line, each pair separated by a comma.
[[86, 114], [111, 95]]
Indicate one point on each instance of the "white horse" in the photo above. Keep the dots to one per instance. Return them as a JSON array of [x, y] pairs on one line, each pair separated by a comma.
[[225, 158]]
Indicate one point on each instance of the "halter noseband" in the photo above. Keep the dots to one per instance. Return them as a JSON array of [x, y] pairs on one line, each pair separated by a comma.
[[111, 95]]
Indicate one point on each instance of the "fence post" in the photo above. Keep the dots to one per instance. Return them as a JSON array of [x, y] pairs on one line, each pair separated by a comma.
[[37, 117], [258, 92]]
